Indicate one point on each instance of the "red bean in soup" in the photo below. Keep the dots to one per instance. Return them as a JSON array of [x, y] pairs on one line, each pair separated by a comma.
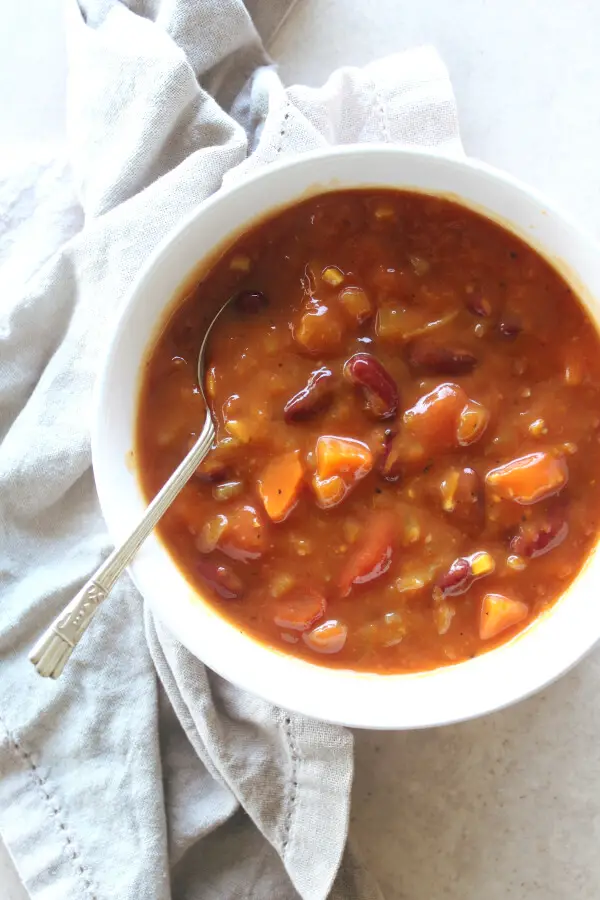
[[408, 409]]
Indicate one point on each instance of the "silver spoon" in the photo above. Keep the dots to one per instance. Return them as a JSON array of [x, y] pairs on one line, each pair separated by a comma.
[[51, 652]]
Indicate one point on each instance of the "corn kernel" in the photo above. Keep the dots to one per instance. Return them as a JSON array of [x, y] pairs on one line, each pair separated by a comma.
[[412, 531], [240, 263], [385, 212], [448, 491], [482, 564], [281, 583], [408, 583], [570, 448], [332, 275], [302, 546], [538, 428], [517, 563], [227, 490], [211, 533], [351, 530], [241, 431], [211, 383], [420, 266], [573, 373]]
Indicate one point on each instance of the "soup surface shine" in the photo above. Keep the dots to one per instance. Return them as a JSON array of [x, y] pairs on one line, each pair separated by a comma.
[[407, 400]]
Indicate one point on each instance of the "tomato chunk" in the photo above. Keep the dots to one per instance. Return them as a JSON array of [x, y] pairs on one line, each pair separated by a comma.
[[329, 637], [498, 613], [374, 556], [434, 418], [280, 484], [299, 609], [529, 478]]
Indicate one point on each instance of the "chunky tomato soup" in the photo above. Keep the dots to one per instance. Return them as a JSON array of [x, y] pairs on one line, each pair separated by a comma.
[[407, 401]]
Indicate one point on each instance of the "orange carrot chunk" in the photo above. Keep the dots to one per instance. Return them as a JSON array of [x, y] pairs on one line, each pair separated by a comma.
[[529, 478], [299, 609], [329, 637], [329, 491], [280, 484], [343, 456], [434, 418], [499, 613]]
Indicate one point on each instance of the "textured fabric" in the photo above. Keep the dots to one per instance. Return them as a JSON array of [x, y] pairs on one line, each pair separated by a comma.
[[116, 783]]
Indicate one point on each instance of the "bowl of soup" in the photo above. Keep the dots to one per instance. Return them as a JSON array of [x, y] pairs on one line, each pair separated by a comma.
[[397, 524]]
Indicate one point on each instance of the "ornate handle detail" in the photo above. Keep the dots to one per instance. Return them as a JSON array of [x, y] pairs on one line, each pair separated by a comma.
[[54, 648]]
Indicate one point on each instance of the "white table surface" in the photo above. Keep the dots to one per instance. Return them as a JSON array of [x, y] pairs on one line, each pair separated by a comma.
[[508, 806]]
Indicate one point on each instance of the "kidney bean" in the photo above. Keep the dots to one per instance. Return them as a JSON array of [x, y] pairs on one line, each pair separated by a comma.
[[534, 539], [221, 578], [457, 579], [251, 302], [378, 386], [212, 471], [510, 326], [313, 398], [479, 306], [439, 359], [463, 572]]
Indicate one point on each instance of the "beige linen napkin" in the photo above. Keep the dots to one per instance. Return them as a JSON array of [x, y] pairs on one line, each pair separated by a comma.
[[141, 774]]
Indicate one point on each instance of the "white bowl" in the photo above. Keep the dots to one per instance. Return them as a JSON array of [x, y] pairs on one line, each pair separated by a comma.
[[549, 647]]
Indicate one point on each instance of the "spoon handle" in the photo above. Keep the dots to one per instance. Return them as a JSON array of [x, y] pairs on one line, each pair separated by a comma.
[[54, 648]]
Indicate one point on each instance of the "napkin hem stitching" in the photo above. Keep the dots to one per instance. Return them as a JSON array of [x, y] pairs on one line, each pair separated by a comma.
[[42, 785], [293, 793]]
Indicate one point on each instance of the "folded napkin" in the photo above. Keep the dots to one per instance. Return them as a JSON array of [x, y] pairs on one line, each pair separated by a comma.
[[141, 774]]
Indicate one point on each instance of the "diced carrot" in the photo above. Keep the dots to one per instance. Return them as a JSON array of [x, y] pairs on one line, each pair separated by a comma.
[[434, 418], [329, 491], [343, 456], [280, 484], [320, 330], [299, 609], [244, 537], [499, 613], [373, 557], [329, 637], [529, 478]]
